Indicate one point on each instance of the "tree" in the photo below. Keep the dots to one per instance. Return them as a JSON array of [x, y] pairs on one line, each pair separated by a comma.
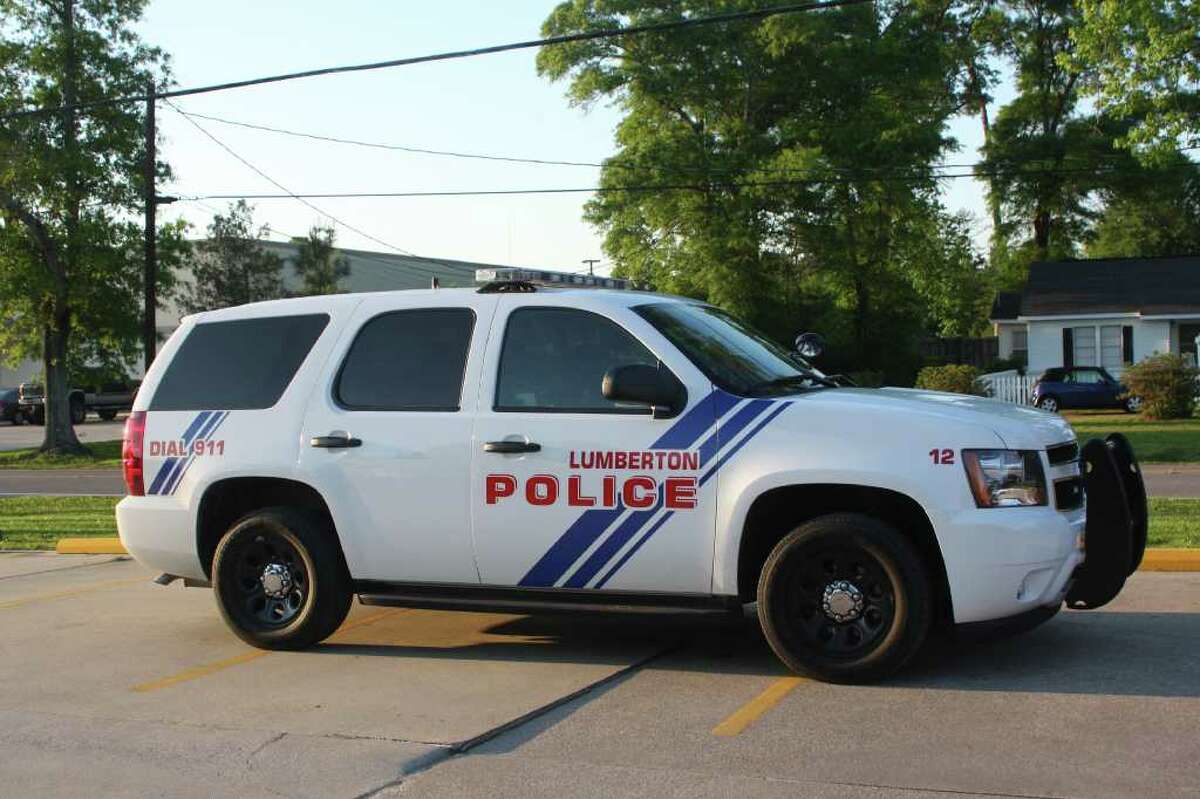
[[806, 142], [318, 265], [1156, 212], [69, 178], [231, 267], [1145, 55]]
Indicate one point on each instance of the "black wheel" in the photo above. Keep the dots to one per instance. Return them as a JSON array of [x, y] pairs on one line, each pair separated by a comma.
[[844, 598], [280, 579], [1048, 403], [39, 416], [78, 411], [107, 416], [18, 419], [1132, 405]]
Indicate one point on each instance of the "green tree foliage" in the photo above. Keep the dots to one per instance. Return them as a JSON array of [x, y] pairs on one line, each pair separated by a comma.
[[1166, 385], [230, 266], [70, 180], [953, 378], [318, 264], [1145, 56], [808, 141], [1155, 213]]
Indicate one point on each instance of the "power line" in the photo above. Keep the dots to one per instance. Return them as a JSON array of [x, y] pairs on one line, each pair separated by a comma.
[[608, 33]]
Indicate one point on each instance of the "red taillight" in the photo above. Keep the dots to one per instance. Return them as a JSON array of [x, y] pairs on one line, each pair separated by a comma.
[[131, 453]]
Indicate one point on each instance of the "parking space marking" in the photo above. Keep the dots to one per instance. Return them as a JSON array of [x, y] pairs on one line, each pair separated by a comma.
[[205, 669], [750, 712], [16, 603]]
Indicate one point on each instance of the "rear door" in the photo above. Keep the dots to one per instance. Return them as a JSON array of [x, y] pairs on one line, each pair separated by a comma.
[[387, 436], [572, 490]]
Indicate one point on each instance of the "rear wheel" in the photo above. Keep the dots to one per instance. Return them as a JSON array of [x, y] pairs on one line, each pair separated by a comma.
[[78, 411], [1132, 405], [107, 416], [280, 579], [1048, 404], [845, 598]]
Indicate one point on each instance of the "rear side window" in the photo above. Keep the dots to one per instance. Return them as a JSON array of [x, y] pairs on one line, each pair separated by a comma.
[[554, 360], [408, 361], [244, 364]]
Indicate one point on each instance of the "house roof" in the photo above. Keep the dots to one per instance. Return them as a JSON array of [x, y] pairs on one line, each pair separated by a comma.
[[1149, 286]]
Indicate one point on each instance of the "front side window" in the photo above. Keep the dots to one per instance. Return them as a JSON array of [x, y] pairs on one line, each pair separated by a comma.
[[407, 361], [1088, 376], [555, 359], [731, 354]]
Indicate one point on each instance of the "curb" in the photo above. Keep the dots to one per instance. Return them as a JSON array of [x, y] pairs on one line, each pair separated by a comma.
[[1171, 560], [90, 546]]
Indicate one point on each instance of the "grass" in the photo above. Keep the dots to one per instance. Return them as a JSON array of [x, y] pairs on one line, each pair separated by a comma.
[[38, 522], [104, 455], [1167, 441], [1174, 522]]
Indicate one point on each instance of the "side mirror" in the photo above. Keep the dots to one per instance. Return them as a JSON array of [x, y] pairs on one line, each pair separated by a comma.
[[810, 345], [651, 385]]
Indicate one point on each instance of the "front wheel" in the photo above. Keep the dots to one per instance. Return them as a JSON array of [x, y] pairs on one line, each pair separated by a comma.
[[280, 580], [1048, 404], [845, 598], [1132, 405]]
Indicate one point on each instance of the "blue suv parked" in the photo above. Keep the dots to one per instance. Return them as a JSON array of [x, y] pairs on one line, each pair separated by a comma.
[[1081, 387]]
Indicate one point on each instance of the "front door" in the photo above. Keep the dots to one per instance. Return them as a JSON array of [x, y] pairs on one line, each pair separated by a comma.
[[572, 490], [387, 437]]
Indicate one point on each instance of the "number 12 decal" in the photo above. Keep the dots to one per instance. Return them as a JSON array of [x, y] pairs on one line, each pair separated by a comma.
[[942, 457]]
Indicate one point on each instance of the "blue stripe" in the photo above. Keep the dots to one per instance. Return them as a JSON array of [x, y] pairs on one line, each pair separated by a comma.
[[612, 545], [195, 426], [592, 523], [209, 430], [731, 427], [170, 463], [783, 406]]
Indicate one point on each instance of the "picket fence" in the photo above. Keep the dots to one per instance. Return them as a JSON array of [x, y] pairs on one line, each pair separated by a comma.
[[1009, 387]]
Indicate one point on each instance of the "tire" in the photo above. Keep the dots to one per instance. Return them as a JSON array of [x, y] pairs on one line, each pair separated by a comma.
[[847, 558], [39, 416], [1132, 405], [313, 599], [107, 416], [1049, 403], [78, 411]]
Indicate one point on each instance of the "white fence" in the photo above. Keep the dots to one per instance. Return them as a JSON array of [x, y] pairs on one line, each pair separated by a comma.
[[1009, 387]]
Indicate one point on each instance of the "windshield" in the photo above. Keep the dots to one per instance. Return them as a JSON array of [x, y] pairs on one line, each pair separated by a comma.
[[732, 354]]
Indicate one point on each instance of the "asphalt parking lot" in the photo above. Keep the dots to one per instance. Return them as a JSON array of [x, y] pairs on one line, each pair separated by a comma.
[[20, 436], [115, 686]]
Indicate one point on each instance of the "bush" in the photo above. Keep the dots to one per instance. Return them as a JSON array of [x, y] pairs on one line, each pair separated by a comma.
[[1166, 385], [955, 378]]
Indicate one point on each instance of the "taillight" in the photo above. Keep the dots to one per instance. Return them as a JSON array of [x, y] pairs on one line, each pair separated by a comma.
[[131, 453]]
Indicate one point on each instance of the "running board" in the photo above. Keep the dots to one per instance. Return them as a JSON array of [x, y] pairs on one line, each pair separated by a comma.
[[438, 596]]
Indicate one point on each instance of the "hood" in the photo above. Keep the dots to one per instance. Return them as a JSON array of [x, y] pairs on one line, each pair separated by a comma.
[[1019, 427]]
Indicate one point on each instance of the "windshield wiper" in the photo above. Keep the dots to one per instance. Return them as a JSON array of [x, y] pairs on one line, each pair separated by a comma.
[[778, 382]]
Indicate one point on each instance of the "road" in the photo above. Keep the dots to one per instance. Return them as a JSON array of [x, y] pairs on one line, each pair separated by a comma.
[[118, 686], [30, 435]]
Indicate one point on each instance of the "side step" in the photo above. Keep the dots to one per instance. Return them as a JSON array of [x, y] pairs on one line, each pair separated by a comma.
[[438, 596]]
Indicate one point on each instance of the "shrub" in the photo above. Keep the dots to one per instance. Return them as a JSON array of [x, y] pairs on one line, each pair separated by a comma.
[[955, 378], [1166, 385]]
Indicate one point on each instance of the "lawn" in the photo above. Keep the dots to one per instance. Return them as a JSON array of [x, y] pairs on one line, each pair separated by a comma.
[[105, 455], [1174, 522], [1171, 441], [38, 522]]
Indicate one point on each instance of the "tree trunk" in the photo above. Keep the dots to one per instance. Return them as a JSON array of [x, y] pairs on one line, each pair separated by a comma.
[[60, 433], [1041, 232]]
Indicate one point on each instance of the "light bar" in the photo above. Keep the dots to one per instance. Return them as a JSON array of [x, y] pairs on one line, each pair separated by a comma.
[[546, 277]]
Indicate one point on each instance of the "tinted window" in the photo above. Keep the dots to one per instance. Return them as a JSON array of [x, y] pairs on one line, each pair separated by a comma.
[[408, 361], [240, 365], [554, 359], [1086, 376]]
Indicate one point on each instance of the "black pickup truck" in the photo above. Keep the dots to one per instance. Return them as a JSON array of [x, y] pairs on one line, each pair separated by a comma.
[[106, 401]]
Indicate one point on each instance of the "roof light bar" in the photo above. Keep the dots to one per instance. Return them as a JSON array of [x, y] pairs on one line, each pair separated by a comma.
[[546, 277]]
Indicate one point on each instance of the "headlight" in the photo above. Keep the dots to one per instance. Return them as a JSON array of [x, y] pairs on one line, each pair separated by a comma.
[[1004, 478]]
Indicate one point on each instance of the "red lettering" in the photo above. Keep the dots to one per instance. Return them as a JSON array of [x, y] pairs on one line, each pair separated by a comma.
[[620, 460], [631, 496], [609, 485], [575, 496], [499, 486], [572, 462], [691, 460], [541, 490], [604, 460], [680, 493], [155, 449]]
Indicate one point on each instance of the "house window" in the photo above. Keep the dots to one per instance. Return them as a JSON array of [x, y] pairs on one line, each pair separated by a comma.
[[1111, 347], [1084, 340], [1020, 345]]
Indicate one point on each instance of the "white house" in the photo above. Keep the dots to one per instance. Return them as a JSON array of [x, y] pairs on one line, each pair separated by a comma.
[[1101, 312]]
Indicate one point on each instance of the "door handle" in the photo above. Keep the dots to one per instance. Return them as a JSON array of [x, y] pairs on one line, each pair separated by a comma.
[[335, 442], [511, 447]]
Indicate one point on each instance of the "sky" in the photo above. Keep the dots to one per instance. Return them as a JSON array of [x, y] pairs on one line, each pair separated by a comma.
[[494, 104]]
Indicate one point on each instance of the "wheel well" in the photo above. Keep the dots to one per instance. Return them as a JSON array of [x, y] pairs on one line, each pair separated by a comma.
[[226, 501], [780, 510]]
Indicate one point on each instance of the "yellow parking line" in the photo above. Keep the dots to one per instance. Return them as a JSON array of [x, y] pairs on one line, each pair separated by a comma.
[[750, 712], [16, 603], [90, 546], [203, 670]]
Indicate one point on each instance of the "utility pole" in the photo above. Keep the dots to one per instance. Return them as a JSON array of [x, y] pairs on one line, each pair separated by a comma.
[[591, 263], [150, 278]]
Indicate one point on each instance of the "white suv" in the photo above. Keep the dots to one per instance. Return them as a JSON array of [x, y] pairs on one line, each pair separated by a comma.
[[523, 447]]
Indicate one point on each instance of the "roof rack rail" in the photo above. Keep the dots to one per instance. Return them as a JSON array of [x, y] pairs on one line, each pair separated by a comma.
[[546, 278], [507, 287]]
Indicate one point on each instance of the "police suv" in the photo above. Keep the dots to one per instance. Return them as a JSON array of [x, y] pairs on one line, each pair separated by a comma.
[[532, 446]]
